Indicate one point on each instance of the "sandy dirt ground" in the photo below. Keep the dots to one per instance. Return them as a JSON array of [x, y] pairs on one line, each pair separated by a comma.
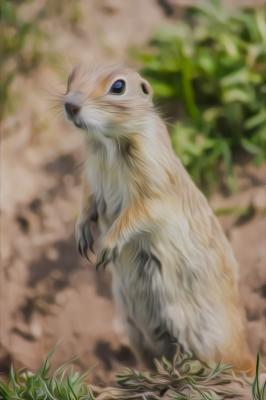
[[48, 294]]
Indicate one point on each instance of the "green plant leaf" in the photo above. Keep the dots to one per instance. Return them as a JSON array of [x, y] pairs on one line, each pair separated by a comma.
[[212, 68]]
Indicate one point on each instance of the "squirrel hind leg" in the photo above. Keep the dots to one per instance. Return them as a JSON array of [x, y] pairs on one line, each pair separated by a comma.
[[247, 365], [137, 340], [242, 364]]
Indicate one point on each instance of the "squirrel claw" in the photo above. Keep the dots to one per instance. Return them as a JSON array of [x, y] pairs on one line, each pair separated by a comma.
[[85, 242], [106, 256]]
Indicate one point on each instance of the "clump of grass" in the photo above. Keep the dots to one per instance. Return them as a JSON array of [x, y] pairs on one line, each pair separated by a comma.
[[63, 384], [183, 379], [258, 391]]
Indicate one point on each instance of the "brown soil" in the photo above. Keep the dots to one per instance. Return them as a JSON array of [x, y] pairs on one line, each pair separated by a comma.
[[48, 294]]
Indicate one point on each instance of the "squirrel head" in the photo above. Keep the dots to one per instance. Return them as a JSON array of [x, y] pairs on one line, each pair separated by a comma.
[[108, 101]]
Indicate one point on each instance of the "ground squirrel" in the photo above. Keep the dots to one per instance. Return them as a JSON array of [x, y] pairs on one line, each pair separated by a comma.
[[174, 276]]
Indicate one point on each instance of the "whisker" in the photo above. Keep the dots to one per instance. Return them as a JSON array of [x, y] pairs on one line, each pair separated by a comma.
[[118, 144], [56, 113], [55, 105]]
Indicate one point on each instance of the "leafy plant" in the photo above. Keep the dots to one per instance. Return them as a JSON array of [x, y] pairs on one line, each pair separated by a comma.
[[209, 69], [183, 379]]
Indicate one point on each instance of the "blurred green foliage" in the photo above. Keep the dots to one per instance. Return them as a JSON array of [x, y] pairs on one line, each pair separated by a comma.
[[209, 69], [20, 46], [22, 39]]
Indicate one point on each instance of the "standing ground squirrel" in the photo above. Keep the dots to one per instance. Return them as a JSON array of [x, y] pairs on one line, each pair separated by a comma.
[[174, 276]]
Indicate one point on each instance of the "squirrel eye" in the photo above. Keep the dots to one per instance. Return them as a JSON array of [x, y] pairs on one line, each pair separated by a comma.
[[144, 88], [118, 87]]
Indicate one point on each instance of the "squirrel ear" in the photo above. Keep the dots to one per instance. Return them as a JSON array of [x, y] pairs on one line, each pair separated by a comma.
[[146, 88]]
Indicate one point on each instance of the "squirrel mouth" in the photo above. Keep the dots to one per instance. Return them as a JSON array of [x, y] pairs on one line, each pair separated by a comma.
[[79, 124]]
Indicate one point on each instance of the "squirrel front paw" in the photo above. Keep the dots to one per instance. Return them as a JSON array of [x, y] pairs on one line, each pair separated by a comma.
[[105, 256], [84, 237]]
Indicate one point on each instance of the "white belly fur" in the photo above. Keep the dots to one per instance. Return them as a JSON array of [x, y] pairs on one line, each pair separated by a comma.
[[164, 305]]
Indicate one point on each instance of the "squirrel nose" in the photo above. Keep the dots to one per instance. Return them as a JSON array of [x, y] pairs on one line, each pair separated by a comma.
[[72, 109]]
